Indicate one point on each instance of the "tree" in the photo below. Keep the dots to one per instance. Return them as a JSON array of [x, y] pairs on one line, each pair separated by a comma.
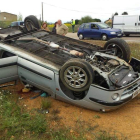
[[77, 21], [19, 17], [87, 19], [124, 13], [96, 20], [116, 14]]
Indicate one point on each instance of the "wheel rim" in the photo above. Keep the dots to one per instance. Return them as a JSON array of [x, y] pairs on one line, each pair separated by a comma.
[[75, 77], [104, 37], [29, 25], [80, 36], [117, 51]]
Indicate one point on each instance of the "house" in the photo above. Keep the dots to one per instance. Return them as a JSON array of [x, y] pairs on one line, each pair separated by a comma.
[[109, 22], [4, 16]]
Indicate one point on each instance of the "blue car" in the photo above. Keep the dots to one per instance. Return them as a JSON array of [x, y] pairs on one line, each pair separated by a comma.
[[17, 23], [98, 30]]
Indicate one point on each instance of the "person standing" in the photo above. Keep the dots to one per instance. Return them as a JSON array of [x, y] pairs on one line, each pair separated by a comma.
[[61, 29], [54, 28], [44, 27], [73, 24]]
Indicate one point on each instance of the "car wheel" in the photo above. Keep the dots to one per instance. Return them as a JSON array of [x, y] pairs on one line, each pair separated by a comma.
[[81, 36], [104, 37], [77, 75], [31, 23], [119, 47], [127, 35]]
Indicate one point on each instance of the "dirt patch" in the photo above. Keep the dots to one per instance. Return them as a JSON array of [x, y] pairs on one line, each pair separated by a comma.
[[123, 121]]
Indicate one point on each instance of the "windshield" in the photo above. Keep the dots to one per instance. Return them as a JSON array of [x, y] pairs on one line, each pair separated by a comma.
[[103, 25]]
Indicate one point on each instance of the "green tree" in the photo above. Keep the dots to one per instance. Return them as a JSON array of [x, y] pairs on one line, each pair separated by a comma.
[[19, 17], [87, 19], [77, 21], [96, 20], [124, 13], [116, 14]]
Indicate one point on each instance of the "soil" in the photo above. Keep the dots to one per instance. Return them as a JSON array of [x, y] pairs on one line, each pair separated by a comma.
[[124, 122]]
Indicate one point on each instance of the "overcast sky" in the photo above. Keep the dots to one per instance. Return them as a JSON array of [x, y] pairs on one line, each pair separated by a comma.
[[68, 9]]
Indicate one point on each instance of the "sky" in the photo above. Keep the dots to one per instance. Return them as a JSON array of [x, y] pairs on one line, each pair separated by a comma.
[[70, 9]]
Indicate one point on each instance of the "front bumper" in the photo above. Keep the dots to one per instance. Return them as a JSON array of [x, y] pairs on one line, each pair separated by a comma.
[[114, 36], [118, 103], [102, 97]]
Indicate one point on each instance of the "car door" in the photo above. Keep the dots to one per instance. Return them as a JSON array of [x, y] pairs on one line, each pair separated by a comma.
[[35, 74], [8, 67], [95, 31], [87, 30]]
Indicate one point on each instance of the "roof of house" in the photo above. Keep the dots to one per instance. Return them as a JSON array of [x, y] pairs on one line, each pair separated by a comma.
[[8, 13]]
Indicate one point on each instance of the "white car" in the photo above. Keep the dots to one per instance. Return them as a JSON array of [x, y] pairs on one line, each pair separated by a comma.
[[76, 72]]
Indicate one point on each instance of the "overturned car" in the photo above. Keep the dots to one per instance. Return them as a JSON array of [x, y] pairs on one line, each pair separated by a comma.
[[90, 76]]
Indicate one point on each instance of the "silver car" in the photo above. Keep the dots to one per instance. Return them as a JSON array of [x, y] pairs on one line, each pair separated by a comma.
[[75, 72]]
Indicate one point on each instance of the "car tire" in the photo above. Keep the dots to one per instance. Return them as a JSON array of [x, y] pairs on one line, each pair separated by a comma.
[[77, 75], [104, 37], [127, 35], [122, 49], [81, 36], [31, 23]]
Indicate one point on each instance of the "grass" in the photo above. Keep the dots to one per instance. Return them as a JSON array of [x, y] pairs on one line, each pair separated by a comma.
[[46, 103], [103, 135], [18, 123]]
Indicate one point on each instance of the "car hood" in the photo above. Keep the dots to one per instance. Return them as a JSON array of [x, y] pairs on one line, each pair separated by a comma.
[[112, 30]]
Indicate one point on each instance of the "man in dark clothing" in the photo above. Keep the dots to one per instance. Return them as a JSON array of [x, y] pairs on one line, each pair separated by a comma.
[[54, 28]]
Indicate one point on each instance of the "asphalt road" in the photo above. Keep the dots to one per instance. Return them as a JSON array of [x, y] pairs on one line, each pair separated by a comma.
[[132, 38]]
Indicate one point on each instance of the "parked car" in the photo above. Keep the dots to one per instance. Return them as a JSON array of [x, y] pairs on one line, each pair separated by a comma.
[[90, 76], [17, 23], [129, 24], [98, 30]]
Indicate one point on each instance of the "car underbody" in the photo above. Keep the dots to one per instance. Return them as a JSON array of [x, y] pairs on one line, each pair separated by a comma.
[[81, 68]]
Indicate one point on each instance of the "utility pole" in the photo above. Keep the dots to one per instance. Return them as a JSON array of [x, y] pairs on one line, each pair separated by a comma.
[[42, 11]]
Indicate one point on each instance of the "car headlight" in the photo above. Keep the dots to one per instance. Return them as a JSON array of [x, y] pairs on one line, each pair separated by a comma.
[[115, 96], [113, 33]]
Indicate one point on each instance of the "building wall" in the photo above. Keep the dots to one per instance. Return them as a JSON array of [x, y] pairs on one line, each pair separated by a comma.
[[7, 17]]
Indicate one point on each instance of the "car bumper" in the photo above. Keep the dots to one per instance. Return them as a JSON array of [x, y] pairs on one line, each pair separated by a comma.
[[103, 97], [114, 36]]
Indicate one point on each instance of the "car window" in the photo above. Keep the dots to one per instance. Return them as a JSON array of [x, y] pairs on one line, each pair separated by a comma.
[[103, 25], [82, 26], [14, 24], [87, 26], [94, 26], [7, 54], [21, 23]]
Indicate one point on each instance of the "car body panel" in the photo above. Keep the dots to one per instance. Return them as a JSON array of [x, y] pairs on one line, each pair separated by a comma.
[[8, 69]]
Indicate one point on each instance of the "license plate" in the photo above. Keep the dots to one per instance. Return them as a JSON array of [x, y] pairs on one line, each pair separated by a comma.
[[136, 92], [119, 34]]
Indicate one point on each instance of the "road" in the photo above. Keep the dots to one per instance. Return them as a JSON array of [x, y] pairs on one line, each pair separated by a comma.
[[132, 38]]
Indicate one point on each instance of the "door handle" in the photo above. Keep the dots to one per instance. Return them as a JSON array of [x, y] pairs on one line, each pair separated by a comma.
[[135, 24]]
